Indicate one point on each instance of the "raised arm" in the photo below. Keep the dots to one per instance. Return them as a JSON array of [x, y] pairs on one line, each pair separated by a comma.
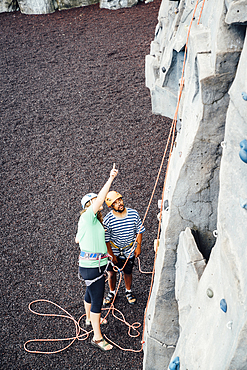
[[98, 202]]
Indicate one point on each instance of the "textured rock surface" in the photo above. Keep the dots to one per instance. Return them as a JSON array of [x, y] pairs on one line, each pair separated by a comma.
[[192, 186], [8, 6], [117, 4], [37, 6], [208, 328], [189, 269], [42, 6], [49, 6], [236, 11], [65, 4]]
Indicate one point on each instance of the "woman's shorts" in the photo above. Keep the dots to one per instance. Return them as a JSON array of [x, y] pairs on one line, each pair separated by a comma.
[[95, 292]]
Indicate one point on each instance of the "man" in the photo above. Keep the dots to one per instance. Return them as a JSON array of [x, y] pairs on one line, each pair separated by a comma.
[[122, 226]]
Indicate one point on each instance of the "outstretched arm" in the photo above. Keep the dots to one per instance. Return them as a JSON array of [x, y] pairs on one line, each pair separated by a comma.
[[103, 192]]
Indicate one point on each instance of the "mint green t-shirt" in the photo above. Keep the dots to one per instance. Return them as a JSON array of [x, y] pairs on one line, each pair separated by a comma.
[[91, 236]]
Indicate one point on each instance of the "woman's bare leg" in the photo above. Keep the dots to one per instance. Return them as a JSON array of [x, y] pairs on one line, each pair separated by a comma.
[[87, 309], [95, 320]]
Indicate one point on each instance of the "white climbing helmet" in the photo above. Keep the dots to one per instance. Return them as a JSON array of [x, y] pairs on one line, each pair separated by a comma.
[[87, 198]]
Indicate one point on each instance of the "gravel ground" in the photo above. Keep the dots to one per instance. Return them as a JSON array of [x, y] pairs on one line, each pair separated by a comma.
[[73, 101]]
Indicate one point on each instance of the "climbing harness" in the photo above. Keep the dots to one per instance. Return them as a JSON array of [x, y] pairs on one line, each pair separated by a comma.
[[112, 309], [122, 249], [90, 282], [93, 256]]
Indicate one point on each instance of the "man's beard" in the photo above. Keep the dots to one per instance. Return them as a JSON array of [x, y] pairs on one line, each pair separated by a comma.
[[120, 210]]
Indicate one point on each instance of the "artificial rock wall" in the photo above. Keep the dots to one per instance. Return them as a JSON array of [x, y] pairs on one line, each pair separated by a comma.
[[49, 6], [41, 6], [200, 269]]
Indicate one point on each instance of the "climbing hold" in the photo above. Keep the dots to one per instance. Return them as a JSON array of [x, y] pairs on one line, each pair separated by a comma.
[[210, 293], [175, 364], [156, 245], [223, 144], [176, 360], [181, 81], [223, 305], [163, 69], [243, 151], [168, 188], [215, 233], [166, 204], [229, 325], [172, 366], [244, 95], [179, 125], [243, 203]]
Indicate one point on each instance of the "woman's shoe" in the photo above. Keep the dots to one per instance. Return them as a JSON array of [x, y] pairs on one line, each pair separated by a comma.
[[102, 344]]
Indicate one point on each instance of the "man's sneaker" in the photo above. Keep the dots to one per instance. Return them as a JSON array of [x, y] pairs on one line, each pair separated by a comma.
[[108, 299], [130, 297]]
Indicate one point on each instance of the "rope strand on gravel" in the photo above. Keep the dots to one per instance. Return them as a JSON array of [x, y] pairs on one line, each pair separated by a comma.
[[78, 328]]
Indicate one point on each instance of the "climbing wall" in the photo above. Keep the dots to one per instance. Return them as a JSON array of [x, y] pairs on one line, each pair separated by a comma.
[[41, 6], [49, 6], [198, 305]]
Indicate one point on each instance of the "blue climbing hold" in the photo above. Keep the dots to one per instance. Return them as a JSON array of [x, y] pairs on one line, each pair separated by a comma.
[[243, 203], [223, 305], [176, 360], [244, 95], [172, 366], [243, 150], [175, 364]]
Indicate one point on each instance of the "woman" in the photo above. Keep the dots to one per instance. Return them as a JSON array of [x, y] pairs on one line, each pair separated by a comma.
[[93, 258]]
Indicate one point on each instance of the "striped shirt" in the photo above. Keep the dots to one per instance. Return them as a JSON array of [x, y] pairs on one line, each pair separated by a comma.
[[123, 231]]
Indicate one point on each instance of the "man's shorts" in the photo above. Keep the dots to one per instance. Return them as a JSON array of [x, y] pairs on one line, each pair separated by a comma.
[[120, 262]]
